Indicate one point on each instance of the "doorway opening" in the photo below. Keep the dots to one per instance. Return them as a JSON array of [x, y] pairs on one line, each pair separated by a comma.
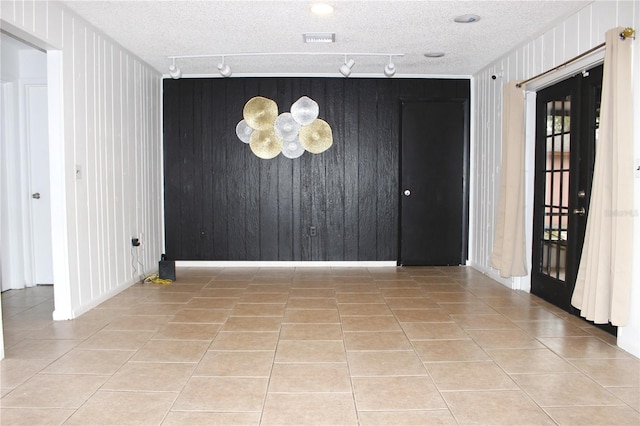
[[25, 189]]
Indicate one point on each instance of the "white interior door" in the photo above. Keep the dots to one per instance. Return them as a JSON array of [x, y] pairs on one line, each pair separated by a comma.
[[5, 133], [12, 268], [38, 146]]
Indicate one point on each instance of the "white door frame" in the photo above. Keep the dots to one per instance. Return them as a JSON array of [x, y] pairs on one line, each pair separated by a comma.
[[57, 168]]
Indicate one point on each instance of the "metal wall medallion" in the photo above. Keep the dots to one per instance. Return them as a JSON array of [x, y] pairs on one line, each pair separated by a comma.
[[269, 134]]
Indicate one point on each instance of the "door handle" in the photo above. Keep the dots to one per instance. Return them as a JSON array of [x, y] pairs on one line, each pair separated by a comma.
[[580, 212], [407, 192], [36, 195]]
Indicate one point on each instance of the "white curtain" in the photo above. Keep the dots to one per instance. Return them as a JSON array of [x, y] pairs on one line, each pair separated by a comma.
[[509, 254], [603, 284]]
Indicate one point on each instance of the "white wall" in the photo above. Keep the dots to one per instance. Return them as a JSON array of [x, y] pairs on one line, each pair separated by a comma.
[[629, 336], [575, 35], [105, 110]]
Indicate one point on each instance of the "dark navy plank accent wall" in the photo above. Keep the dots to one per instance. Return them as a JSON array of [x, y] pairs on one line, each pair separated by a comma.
[[224, 203]]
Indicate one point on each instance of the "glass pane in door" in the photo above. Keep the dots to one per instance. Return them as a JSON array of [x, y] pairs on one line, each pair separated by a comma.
[[556, 197]]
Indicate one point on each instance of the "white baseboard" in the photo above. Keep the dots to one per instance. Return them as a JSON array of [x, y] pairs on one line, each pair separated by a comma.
[[84, 308], [282, 264]]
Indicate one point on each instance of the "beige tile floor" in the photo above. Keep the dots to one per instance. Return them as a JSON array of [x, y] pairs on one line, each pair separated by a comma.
[[332, 346]]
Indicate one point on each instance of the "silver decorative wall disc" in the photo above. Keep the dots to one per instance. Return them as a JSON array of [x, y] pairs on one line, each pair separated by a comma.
[[243, 131], [292, 149], [286, 127], [305, 110]]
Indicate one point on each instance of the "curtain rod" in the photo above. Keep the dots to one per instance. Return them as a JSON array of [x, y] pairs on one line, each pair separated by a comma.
[[626, 33], [564, 64]]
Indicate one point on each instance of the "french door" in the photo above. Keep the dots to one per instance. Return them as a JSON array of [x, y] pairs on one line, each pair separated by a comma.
[[567, 120]]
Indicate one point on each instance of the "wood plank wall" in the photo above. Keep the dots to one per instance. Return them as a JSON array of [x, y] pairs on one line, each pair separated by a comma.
[[224, 203], [111, 112]]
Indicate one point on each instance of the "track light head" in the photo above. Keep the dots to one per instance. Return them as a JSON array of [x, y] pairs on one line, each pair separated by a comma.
[[390, 69], [345, 69], [174, 71], [224, 69]]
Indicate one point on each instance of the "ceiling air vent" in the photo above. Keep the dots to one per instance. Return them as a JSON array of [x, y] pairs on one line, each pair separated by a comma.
[[319, 37]]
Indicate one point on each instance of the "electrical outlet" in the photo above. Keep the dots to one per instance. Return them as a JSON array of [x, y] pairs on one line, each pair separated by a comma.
[[312, 231], [135, 242]]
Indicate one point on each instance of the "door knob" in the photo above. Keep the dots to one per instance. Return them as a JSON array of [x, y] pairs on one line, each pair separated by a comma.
[[36, 195], [580, 212], [407, 192]]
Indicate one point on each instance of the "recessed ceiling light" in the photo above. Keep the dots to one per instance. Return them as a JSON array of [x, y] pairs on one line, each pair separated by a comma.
[[434, 54], [319, 37], [466, 19], [322, 9]]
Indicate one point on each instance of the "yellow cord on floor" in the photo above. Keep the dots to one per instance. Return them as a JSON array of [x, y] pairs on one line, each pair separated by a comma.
[[155, 278]]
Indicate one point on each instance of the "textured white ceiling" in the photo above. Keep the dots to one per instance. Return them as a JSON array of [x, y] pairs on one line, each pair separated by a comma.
[[154, 30]]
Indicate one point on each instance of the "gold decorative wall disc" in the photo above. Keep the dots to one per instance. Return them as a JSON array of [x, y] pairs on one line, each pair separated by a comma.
[[265, 144], [316, 137], [260, 113]]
